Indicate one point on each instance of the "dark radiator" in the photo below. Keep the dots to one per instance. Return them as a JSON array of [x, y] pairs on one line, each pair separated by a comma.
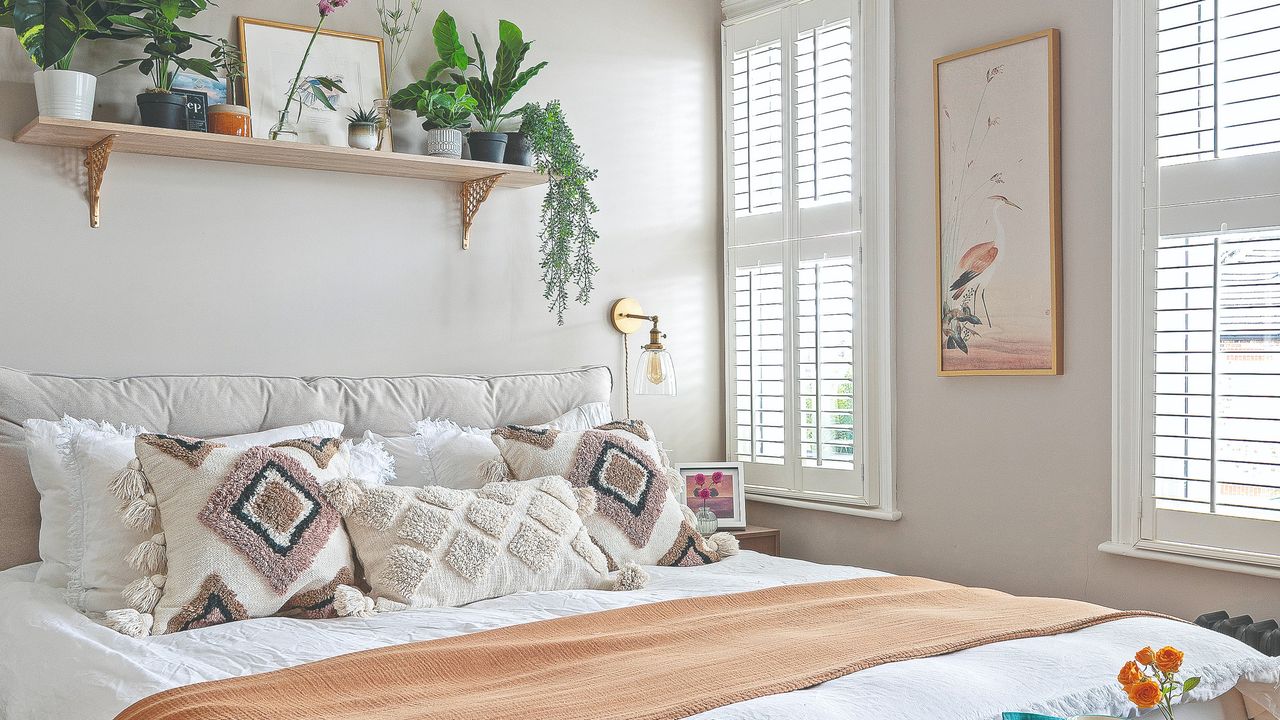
[[1263, 636]]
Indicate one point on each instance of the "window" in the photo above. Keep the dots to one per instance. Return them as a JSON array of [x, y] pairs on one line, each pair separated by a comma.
[[1197, 278], [806, 257]]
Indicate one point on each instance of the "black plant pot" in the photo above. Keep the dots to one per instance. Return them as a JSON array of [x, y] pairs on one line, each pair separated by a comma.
[[487, 146], [163, 110], [519, 151]]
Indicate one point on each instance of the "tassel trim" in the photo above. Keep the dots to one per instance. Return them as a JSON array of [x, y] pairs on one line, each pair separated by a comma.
[[129, 484], [630, 577], [150, 555], [724, 544], [130, 622], [142, 513], [350, 602], [494, 470], [144, 593], [345, 495]]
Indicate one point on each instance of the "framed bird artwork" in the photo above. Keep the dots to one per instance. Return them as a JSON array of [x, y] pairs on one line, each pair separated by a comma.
[[999, 209]]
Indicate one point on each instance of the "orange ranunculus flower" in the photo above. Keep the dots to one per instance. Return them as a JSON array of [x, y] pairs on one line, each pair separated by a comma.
[[1169, 659], [1145, 694], [1130, 674], [1145, 656]]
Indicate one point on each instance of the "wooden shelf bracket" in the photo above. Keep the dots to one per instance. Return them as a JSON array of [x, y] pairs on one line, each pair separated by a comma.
[[95, 161], [473, 194]]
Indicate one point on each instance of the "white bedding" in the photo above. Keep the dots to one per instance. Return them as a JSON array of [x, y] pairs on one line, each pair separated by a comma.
[[55, 663]]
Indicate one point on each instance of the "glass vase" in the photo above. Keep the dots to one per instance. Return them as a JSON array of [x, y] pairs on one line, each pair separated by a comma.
[[284, 130], [382, 106], [706, 521]]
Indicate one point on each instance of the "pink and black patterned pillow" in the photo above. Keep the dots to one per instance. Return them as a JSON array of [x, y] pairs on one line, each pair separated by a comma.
[[637, 517], [237, 533]]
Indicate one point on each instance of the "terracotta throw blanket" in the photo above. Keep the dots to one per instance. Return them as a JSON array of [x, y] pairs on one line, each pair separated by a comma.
[[636, 663]]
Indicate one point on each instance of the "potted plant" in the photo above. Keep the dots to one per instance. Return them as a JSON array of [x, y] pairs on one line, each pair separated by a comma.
[[362, 128], [567, 232], [50, 30], [231, 117], [444, 107], [492, 92], [156, 21]]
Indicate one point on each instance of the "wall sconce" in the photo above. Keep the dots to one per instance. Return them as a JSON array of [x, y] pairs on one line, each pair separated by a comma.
[[655, 373]]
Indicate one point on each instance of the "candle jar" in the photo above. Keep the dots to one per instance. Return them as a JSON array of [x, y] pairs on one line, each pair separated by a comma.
[[230, 120]]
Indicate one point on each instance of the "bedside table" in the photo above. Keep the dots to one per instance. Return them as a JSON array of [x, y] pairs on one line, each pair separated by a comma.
[[760, 539]]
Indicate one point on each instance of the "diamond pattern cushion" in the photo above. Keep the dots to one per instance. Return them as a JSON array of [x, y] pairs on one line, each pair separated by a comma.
[[438, 546], [637, 517], [239, 533]]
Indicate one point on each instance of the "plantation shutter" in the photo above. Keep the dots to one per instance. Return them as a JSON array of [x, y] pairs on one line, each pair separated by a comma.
[[793, 249], [1213, 241]]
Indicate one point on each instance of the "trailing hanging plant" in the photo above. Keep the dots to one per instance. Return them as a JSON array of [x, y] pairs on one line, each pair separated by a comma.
[[567, 232], [156, 21]]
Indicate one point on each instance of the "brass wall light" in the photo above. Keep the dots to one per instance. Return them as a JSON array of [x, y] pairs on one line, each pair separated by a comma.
[[655, 372]]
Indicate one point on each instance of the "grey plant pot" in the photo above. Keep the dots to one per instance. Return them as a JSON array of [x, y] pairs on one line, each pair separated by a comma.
[[444, 142], [519, 151], [487, 146], [163, 110]]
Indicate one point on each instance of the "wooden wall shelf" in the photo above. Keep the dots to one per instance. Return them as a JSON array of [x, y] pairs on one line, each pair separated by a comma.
[[99, 139]]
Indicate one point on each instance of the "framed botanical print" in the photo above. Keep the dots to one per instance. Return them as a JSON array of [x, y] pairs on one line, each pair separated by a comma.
[[718, 487], [999, 214], [272, 53]]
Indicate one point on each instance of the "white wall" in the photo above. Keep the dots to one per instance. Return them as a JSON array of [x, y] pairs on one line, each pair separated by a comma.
[[223, 268], [1005, 482]]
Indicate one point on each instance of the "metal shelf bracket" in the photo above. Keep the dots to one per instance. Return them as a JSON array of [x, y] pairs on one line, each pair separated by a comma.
[[473, 194], [95, 161]]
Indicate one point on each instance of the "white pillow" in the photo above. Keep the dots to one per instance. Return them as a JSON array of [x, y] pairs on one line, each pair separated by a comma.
[[83, 544], [442, 452]]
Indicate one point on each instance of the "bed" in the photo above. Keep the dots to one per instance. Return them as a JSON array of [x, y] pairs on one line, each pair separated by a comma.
[[59, 663]]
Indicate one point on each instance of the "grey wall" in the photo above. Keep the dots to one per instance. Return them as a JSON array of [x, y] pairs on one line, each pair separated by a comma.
[[212, 267], [1005, 482]]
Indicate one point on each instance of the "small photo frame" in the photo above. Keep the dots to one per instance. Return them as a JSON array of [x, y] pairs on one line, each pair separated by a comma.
[[720, 487], [197, 109]]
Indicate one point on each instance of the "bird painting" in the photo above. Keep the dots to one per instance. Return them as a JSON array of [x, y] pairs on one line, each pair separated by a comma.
[[978, 261]]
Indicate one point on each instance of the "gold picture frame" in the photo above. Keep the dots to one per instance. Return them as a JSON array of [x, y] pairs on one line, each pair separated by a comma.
[[261, 47], [998, 159]]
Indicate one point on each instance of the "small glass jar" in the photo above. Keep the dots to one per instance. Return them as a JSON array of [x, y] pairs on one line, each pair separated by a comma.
[[706, 521], [230, 120]]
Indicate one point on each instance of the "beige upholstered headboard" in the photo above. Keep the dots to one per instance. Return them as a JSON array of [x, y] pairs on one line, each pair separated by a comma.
[[215, 405]]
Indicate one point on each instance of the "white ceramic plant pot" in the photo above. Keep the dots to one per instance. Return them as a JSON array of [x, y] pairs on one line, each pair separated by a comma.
[[65, 94], [362, 136], [444, 142]]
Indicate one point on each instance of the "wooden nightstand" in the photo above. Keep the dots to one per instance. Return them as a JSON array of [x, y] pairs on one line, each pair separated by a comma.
[[760, 539]]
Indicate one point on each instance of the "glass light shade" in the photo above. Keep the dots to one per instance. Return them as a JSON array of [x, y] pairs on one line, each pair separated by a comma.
[[655, 374]]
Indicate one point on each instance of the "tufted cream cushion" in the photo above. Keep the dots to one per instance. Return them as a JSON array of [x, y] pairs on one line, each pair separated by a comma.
[[439, 546]]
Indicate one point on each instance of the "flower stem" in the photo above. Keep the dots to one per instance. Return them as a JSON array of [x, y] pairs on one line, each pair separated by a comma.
[[293, 89]]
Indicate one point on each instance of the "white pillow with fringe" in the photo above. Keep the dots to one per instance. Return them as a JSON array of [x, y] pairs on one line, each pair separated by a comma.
[[82, 542], [442, 452], [441, 547]]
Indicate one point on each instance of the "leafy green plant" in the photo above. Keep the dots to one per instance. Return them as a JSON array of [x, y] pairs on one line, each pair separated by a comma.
[[49, 30], [156, 21], [494, 92], [453, 55], [567, 235], [439, 104], [362, 116], [230, 62]]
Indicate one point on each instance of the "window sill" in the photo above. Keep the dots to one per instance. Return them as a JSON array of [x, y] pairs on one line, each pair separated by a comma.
[[854, 510], [1181, 558]]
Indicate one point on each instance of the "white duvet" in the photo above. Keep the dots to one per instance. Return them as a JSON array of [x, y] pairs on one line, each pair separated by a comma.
[[55, 663]]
